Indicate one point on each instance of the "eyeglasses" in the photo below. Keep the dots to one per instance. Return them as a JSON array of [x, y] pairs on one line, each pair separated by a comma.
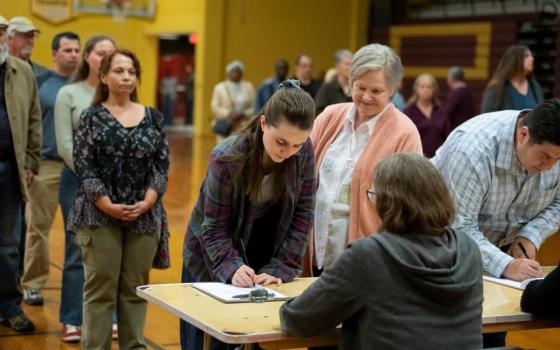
[[371, 194]]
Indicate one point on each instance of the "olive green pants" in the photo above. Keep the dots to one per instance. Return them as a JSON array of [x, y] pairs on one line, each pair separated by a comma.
[[115, 263], [39, 213]]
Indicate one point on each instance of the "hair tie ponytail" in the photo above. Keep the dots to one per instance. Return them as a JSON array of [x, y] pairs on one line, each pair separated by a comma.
[[290, 84]]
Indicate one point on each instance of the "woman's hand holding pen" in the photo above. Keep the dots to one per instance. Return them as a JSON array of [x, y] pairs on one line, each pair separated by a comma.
[[266, 279], [244, 277]]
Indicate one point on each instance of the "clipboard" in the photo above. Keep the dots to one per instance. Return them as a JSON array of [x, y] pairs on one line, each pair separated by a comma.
[[228, 293], [510, 283]]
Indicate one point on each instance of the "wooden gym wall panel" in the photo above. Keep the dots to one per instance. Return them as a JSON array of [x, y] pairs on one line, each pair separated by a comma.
[[434, 47], [439, 51]]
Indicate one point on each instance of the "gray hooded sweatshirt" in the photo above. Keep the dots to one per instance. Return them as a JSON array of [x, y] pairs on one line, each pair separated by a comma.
[[390, 291]]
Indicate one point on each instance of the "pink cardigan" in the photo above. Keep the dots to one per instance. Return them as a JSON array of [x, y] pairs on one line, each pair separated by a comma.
[[393, 133]]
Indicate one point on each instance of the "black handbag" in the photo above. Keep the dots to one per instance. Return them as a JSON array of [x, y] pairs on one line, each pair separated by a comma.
[[162, 260], [222, 127]]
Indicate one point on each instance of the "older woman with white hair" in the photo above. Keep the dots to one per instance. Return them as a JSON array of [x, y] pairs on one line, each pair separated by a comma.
[[232, 101], [349, 140]]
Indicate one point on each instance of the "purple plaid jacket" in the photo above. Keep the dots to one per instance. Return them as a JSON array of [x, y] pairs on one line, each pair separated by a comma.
[[223, 216]]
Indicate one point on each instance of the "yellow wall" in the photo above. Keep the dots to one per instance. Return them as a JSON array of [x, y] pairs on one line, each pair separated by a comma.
[[254, 31], [258, 32], [125, 34]]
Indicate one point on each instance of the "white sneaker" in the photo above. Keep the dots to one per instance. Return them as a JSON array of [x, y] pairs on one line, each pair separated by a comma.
[[71, 334], [33, 296], [115, 331]]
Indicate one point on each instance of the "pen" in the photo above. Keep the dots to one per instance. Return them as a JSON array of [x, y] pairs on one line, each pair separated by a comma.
[[523, 250], [260, 294], [241, 296], [244, 255]]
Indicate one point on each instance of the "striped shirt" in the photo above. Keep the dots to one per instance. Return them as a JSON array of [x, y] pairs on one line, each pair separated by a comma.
[[496, 199], [223, 215]]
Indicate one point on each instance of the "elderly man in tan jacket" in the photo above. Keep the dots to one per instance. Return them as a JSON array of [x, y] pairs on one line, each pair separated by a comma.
[[20, 145]]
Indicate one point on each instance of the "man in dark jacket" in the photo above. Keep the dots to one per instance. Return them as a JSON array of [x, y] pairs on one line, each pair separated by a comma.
[[20, 145], [459, 105], [337, 89]]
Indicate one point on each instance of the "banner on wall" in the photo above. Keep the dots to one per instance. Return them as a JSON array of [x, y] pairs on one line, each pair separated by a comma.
[[120, 9], [52, 11]]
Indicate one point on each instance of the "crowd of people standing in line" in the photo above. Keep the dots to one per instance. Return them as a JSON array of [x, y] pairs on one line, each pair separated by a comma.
[[77, 135], [300, 188], [476, 162], [512, 86]]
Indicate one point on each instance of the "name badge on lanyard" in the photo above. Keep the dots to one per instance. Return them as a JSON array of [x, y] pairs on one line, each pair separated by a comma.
[[344, 195]]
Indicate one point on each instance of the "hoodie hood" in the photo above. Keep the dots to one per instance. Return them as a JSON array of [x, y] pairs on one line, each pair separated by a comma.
[[441, 267]]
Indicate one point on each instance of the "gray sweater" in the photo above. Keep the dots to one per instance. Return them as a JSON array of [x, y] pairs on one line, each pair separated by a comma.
[[397, 292]]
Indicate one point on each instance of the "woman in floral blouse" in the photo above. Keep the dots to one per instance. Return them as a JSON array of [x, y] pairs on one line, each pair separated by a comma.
[[121, 158]]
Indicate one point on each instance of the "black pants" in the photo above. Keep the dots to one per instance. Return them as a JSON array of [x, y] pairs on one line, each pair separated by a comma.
[[494, 340], [498, 339]]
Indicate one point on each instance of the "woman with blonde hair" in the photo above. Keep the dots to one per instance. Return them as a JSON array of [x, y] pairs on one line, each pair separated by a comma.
[[512, 85], [424, 110]]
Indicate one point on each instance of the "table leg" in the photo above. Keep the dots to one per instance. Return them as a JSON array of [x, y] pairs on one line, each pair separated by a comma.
[[207, 341]]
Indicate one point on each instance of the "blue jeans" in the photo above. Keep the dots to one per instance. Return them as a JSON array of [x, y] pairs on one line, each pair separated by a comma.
[[71, 300], [72, 296], [192, 338], [21, 227], [168, 103], [10, 211]]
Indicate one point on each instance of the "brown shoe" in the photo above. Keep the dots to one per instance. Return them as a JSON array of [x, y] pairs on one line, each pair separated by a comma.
[[20, 323]]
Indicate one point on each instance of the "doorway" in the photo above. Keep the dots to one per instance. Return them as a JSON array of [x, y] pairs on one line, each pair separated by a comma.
[[176, 79]]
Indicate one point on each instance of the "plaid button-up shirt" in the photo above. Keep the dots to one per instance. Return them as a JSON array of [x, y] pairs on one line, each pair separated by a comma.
[[223, 216], [496, 199]]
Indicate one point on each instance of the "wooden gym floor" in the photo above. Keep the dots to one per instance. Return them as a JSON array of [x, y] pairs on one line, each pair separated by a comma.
[[188, 165]]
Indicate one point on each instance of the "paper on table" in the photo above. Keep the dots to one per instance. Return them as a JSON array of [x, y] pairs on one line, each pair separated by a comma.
[[226, 292], [510, 283]]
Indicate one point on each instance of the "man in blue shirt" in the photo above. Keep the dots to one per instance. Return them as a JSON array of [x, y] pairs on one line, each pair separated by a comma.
[[270, 85], [503, 172], [43, 193]]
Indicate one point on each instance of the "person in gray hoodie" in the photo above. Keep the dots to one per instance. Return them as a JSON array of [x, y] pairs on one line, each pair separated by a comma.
[[415, 285]]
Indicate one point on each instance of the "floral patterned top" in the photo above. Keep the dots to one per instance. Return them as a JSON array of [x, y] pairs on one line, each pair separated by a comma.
[[119, 162]]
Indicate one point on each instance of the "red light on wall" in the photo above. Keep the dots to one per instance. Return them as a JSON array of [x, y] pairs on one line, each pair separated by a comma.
[[193, 38]]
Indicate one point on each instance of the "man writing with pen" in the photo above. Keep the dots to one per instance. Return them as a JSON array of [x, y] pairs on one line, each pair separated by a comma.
[[503, 172]]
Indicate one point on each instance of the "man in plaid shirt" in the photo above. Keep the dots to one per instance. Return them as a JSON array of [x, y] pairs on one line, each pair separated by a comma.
[[502, 170]]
